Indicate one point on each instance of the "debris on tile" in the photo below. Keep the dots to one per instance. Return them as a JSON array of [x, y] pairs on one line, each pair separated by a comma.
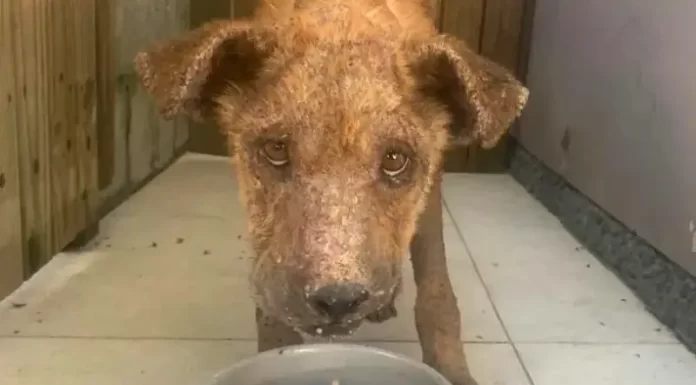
[[16, 332], [588, 266], [602, 323], [153, 244], [179, 241], [18, 305], [206, 252]]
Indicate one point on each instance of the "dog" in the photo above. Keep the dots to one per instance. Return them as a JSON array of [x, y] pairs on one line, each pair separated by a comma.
[[337, 114]]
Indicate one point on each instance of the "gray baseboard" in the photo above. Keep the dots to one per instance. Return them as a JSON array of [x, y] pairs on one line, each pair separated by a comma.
[[668, 291]]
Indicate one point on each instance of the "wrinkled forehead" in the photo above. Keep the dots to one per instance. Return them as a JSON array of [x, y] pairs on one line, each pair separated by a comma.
[[340, 95]]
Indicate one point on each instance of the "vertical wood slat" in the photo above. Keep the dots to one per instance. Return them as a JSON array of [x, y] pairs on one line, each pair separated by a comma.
[[105, 18], [206, 137], [44, 125], [11, 249], [181, 136], [139, 143], [497, 29], [81, 193], [32, 137], [243, 8], [502, 32], [91, 187], [51, 52], [53, 56], [464, 19], [501, 40], [65, 177], [61, 145]]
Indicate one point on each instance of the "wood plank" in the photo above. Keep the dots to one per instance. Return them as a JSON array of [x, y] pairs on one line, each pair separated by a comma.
[[11, 238], [206, 137], [122, 120], [64, 181], [464, 19], [43, 93], [142, 142], [243, 8], [525, 38], [501, 42], [106, 90], [166, 130], [32, 137], [502, 30], [181, 134], [181, 130], [210, 9], [140, 136], [85, 203]]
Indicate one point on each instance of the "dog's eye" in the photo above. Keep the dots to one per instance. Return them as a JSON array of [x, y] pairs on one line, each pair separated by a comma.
[[276, 153], [394, 163]]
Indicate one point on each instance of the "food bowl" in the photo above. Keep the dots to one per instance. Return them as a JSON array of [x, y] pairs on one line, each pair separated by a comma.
[[329, 364]]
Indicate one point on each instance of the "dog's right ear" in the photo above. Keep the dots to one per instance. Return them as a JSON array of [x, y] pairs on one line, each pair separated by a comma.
[[187, 74]]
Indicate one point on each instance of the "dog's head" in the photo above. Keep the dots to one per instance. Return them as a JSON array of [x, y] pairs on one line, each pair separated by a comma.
[[337, 127]]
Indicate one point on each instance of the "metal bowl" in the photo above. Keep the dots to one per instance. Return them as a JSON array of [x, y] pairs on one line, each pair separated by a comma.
[[329, 364]]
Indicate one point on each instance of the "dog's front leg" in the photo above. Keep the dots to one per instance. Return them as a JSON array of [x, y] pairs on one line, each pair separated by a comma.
[[437, 314], [274, 334]]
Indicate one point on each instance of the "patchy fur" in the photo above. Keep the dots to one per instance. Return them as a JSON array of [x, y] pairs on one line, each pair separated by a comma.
[[338, 113]]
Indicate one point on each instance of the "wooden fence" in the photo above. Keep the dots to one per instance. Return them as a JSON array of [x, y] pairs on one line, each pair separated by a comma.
[[77, 133], [498, 30], [48, 88]]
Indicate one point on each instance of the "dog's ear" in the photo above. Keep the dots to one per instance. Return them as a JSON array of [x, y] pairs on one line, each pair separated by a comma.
[[187, 74], [482, 97]]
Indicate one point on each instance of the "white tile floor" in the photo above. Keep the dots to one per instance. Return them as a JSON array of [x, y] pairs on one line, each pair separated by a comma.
[[161, 296]]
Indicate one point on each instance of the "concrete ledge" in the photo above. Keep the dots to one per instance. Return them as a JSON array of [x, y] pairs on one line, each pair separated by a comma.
[[668, 291]]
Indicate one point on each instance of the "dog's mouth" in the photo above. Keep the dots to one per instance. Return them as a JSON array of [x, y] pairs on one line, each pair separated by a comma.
[[333, 329]]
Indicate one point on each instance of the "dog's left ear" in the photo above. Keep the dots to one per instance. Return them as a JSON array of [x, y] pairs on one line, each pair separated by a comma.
[[483, 97]]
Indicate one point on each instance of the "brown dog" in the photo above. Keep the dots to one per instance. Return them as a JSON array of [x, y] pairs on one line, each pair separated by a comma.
[[338, 112]]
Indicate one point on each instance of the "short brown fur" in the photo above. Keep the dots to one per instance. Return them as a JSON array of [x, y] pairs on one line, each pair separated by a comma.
[[319, 99]]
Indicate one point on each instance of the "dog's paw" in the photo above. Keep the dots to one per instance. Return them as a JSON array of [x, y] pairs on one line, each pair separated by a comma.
[[383, 314]]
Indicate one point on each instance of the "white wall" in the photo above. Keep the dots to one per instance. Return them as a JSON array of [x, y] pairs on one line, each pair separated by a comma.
[[620, 78]]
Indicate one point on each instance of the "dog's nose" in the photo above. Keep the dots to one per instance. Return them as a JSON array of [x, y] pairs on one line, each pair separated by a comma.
[[339, 300]]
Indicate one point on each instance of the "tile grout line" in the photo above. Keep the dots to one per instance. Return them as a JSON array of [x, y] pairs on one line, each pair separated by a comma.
[[488, 294], [209, 339], [251, 339]]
